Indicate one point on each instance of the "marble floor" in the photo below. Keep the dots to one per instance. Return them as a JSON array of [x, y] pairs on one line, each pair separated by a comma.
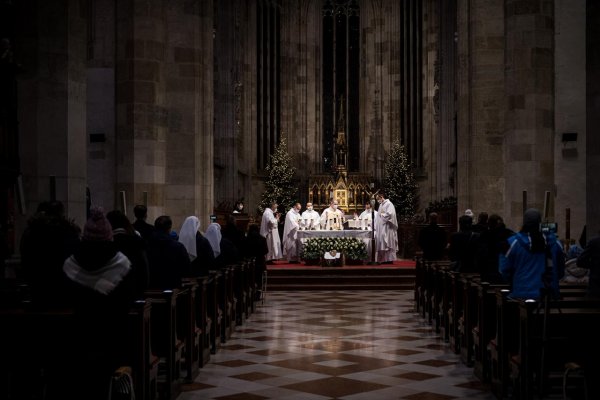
[[347, 345]]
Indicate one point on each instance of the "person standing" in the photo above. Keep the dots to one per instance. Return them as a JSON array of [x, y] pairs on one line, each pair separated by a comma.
[[386, 231], [366, 216], [534, 261], [145, 229], [332, 218], [290, 233], [269, 230], [433, 239], [310, 217]]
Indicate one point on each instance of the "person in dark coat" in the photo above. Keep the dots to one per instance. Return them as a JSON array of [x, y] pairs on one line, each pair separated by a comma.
[[46, 243], [129, 242], [462, 249], [224, 250], [482, 223], [145, 229], [197, 246], [102, 290], [256, 248], [492, 244], [168, 259], [433, 239], [233, 234], [590, 259]]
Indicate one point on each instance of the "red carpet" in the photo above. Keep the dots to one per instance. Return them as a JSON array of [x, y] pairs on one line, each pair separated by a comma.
[[282, 264]]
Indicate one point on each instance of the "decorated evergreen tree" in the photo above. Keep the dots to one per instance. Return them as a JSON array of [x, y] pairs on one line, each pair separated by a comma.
[[399, 183], [280, 184]]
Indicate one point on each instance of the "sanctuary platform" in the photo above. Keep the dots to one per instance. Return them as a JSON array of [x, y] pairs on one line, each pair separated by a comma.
[[397, 276]]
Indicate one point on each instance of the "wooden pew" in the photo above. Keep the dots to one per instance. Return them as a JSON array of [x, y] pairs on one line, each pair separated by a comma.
[[566, 322], [145, 364], [214, 312], [484, 328], [38, 349], [419, 290], [504, 344], [468, 318], [170, 308], [240, 293], [201, 321], [252, 284]]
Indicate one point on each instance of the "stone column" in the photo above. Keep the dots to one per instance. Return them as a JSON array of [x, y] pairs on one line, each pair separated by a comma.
[[529, 135], [593, 118], [101, 104], [52, 103], [481, 105], [300, 86], [569, 155], [140, 103], [188, 74]]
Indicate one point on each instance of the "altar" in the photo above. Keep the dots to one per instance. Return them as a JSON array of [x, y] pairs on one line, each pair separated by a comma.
[[304, 235]]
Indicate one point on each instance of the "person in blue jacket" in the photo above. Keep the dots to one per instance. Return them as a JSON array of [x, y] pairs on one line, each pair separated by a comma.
[[534, 261]]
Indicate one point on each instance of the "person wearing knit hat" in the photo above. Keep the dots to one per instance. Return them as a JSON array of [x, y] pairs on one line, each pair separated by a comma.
[[525, 262], [97, 227], [102, 290]]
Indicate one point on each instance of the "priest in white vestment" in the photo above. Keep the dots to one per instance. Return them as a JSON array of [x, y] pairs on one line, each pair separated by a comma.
[[332, 218], [290, 233], [366, 217], [310, 218], [386, 231], [268, 229]]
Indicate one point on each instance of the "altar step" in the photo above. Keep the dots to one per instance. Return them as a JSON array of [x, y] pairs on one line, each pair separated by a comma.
[[339, 278]]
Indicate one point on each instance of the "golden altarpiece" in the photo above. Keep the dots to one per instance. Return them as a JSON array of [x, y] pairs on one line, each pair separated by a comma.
[[350, 189]]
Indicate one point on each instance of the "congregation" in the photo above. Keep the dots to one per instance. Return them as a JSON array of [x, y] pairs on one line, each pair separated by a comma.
[[99, 271]]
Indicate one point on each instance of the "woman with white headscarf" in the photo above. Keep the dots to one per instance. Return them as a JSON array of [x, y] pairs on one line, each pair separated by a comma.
[[224, 250], [198, 247]]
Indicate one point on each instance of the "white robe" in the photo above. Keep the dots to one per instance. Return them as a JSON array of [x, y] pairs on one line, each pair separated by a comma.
[[332, 219], [290, 234], [311, 219], [386, 232], [365, 219], [268, 229]]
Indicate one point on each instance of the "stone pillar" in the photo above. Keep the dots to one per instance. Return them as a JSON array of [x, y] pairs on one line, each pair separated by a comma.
[[101, 104], [593, 118], [140, 103], [189, 94], [569, 155], [529, 138], [52, 103], [225, 79], [481, 104], [301, 35]]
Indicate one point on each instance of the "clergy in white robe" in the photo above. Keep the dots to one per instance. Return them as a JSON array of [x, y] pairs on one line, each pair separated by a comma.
[[366, 217], [386, 231], [290, 233], [332, 218], [310, 218], [268, 229]]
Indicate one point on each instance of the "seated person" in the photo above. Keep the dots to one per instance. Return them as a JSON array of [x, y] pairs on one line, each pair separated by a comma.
[[198, 248], [168, 259]]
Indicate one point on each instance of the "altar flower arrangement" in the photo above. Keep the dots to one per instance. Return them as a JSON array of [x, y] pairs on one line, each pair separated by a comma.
[[351, 248]]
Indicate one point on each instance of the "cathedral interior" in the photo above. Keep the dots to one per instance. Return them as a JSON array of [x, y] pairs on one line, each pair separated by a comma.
[[179, 104]]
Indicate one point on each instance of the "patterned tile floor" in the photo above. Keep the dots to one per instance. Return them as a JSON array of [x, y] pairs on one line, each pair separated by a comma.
[[347, 345]]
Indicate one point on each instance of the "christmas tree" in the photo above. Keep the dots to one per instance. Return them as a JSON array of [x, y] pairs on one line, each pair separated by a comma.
[[280, 185], [399, 183]]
